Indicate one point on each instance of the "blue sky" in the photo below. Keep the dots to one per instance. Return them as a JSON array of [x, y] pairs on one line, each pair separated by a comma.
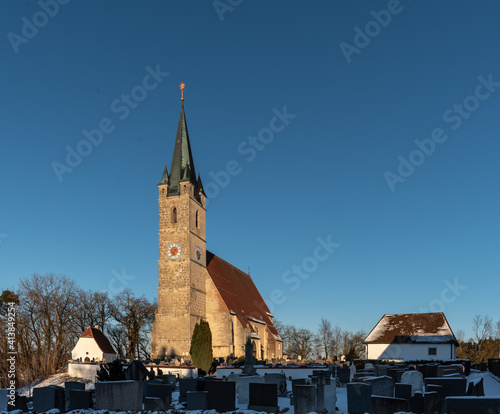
[[388, 154]]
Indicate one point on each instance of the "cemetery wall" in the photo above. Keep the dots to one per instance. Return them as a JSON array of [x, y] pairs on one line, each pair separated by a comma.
[[83, 370], [293, 372]]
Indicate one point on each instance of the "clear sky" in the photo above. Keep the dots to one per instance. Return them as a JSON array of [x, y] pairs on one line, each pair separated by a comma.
[[349, 149]]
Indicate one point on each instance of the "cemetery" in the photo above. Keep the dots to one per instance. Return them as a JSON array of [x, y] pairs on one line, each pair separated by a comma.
[[357, 387]]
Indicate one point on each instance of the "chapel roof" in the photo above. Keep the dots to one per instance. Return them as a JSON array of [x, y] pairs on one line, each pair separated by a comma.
[[412, 328], [239, 293], [100, 339]]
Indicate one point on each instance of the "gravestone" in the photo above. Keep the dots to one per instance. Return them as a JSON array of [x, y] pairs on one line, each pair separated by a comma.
[[249, 367], [343, 375], [243, 387], [4, 399], [159, 391], [221, 394], [417, 403], [381, 370], [331, 397], [402, 391], [433, 402], [370, 366], [136, 371], [384, 405], [48, 398], [197, 400], [279, 380], [155, 404], [185, 385], [168, 379], [155, 381], [80, 399], [352, 371], [381, 386], [7, 404], [415, 379], [304, 400], [118, 395], [263, 397], [72, 385], [358, 397], [451, 386], [477, 405]]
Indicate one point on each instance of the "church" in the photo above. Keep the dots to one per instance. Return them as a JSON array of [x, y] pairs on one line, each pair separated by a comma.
[[195, 284]]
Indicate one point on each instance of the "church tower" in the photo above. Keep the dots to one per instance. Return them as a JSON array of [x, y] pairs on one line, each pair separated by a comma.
[[182, 251]]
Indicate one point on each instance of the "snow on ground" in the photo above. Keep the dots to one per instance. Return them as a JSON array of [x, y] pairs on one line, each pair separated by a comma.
[[56, 379], [491, 389]]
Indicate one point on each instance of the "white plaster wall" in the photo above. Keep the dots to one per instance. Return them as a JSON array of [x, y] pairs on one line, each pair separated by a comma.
[[85, 345], [294, 372], [410, 351], [82, 370]]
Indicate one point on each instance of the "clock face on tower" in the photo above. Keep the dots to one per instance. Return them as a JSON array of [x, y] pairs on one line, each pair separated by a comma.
[[198, 255], [174, 251]]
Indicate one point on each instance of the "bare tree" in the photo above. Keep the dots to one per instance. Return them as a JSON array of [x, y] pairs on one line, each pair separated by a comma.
[[95, 309], [134, 315], [301, 342], [482, 327], [324, 339], [353, 345]]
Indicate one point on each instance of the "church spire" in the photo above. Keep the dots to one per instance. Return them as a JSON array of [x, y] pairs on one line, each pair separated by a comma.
[[182, 166]]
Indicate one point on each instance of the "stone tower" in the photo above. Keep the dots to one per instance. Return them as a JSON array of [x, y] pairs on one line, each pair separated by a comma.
[[182, 259]]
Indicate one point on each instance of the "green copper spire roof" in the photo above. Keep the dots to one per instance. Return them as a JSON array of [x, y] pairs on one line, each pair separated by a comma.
[[164, 177], [182, 167]]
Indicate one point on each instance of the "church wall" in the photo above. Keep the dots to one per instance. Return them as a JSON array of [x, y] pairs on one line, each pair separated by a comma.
[[220, 321]]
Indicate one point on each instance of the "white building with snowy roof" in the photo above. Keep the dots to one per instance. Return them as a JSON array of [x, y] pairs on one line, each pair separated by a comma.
[[412, 336]]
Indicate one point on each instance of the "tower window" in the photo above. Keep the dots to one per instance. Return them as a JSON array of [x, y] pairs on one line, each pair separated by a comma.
[[174, 215], [196, 221]]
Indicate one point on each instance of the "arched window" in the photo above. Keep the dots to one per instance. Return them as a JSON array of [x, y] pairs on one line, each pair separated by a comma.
[[196, 221], [174, 215]]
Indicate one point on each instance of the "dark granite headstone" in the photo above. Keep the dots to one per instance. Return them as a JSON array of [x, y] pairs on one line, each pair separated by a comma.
[[358, 397], [197, 400], [185, 385], [417, 403], [451, 386], [80, 399], [385, 405], [263, 397], [72, 385], [159, 391], [381, 386], [47, 398], [304, 400], [343, 375], [221, 394], [279, 380], [476, 405], [433, 402], [402, 391], [155, 404]]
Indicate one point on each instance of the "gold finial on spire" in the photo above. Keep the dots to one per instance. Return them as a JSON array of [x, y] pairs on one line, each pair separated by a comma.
[[182, 86]]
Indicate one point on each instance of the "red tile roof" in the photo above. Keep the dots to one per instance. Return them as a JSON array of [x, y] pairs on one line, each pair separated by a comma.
[[239, 293], [411, 328], [100, 339]]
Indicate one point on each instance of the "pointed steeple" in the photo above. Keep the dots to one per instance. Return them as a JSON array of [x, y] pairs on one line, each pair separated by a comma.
[[182, 167], [164, 177], [199, 186]]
